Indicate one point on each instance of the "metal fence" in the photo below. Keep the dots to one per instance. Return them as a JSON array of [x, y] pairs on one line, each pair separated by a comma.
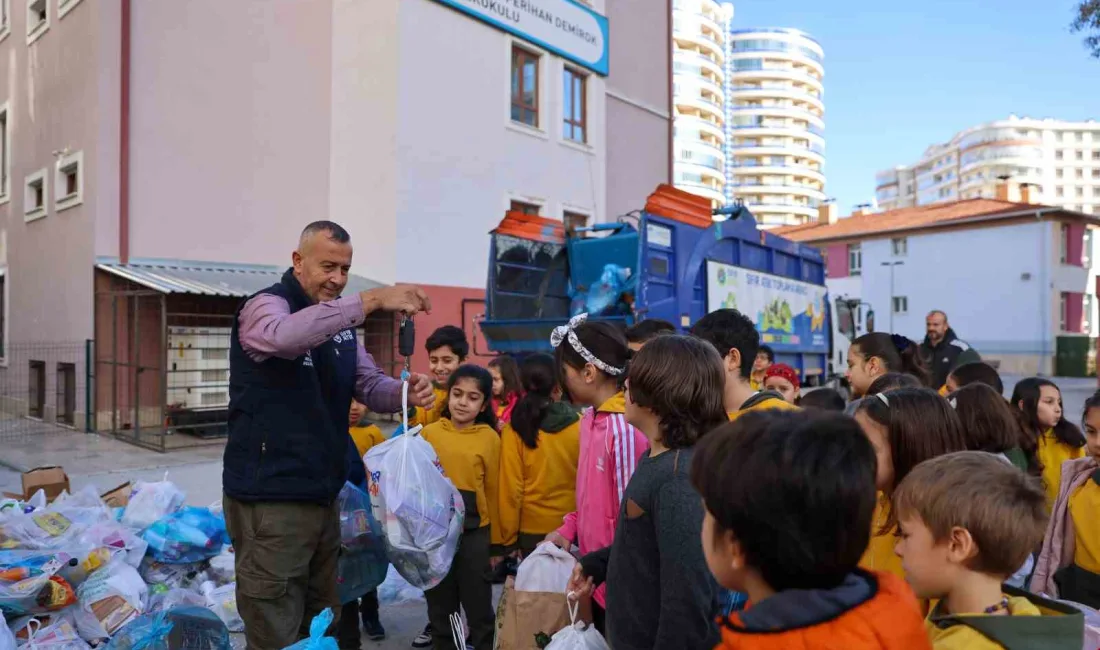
[[44, 389]]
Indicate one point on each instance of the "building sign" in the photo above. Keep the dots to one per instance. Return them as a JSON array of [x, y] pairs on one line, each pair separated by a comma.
[[789, 314], [564, 27]]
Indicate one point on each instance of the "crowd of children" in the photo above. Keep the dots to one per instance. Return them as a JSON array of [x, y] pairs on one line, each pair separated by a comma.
[[715, 503]]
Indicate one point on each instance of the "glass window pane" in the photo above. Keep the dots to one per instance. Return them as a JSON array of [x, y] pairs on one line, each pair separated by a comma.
[[517, 113], [515, 80], [529, 73], [568, 91], [578, 100]]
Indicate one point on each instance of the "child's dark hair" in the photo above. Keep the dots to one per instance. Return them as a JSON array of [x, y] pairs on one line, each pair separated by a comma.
[[988, 423], [604, 340], [729, 329], [892, 381], [920, 424], [796, 490], [484, 384], [648, 329], [539, 377], [509, 374], [768, 352], [897, 353], [822, 399], [1025, 397], [681, 380], [1092, 402], [451, 337], [978, 372]]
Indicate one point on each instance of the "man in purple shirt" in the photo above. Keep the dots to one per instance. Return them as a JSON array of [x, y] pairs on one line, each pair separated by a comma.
[[295, 365]]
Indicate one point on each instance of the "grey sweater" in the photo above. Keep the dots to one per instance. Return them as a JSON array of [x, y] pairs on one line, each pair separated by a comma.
[[660, 593]]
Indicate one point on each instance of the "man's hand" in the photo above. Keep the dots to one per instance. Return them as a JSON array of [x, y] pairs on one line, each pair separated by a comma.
[[405, 298], [420, 391]]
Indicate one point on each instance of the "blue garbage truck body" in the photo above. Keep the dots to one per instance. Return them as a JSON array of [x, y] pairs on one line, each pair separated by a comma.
[[670, 263]]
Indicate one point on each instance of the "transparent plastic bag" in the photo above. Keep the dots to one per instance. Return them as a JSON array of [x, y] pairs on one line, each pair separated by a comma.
[[185, 536], [150, 502], [110, 598], [181, 628], [223, 602], [163, 598], [49, 631], [317, 639], [171, 576], [117, 539], [420, 510], [7, 639], [223, 568], [547, 569], [604, 295], [578, 636], [395, 590], [363, 562], [29, 583]]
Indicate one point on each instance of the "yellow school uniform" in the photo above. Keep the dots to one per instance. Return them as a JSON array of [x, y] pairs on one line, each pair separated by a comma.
[[764, 405], [424, 417], [1051, 454], [366, 437], [1084, 510], [880, 555], [471, 459], [964, 637], [538, 487]]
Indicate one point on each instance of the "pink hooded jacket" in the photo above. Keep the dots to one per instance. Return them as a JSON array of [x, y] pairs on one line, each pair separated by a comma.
[[610, 449]]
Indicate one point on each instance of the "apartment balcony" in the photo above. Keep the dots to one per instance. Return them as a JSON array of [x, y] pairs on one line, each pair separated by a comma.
[[694, 58], [701, 105], [794, 94], [688, 122], [694, 38], [694, 84], [739, 169], [781, 111], [766, 72]]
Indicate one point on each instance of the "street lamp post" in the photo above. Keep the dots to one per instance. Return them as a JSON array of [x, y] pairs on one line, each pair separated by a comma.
[[892, 265]]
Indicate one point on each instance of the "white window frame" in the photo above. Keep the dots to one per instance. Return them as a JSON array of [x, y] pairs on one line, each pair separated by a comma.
[[65, 163], [855, 252], [5, 19], [34, 33], [33, 214], [900, 304], [5, 173], [899, 246], [65, 6]]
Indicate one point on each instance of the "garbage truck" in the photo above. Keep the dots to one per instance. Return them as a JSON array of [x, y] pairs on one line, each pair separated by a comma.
[[675, 260]]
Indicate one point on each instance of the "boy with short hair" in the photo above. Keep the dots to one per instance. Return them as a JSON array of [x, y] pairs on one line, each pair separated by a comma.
[[789, 498], [966, 522], [737, 341], [447, 349], [645, 331], [765, 357]]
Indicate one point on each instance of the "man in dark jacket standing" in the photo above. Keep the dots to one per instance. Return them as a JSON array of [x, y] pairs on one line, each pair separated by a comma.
[[942, 350], [294, 366]]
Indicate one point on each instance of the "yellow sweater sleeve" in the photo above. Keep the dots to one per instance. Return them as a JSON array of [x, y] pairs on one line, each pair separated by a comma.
[[511, 486], [492, 484]]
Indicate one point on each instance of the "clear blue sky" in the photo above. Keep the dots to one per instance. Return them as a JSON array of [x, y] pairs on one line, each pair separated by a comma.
[[902, 76]]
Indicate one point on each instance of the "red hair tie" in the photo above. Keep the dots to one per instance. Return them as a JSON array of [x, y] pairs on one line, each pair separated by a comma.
[[784, 371]]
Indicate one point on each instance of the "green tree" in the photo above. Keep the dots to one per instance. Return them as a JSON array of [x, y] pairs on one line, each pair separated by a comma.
[[1088, 21]]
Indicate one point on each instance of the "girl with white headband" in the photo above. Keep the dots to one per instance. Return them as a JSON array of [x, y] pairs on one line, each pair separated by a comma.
[[592, 359]]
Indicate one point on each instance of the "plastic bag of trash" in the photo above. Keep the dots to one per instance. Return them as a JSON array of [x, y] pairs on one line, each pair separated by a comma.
[[150, 502], [577, 636], [181, 628], [55, 631], [317, 639], [395, 590], [110, 598], [223, 567], [169, 575], [603, 296], [57, 525], [7, 639], [223, 602], [163, 598], [187, 535], [420, 510], [117, 539], [29, 583]]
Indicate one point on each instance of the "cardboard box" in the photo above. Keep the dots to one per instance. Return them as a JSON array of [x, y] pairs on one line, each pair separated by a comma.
[[118, 497], [52, 480]]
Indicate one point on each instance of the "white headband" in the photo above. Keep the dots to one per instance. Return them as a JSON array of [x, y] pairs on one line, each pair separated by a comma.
[[565, 332], [882, 397]]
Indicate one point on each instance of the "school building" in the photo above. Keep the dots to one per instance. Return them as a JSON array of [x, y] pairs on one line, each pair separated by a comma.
[[1018, 280], [160, 159]]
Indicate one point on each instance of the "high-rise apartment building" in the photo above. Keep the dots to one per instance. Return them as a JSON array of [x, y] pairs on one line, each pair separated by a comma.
[[775, 126], [699, 78], [1059, 161]]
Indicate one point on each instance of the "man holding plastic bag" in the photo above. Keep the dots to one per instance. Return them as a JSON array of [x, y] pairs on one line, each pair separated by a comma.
[[294, 366]]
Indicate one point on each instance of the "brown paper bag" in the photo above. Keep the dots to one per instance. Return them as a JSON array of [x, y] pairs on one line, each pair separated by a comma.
[[527, 619]]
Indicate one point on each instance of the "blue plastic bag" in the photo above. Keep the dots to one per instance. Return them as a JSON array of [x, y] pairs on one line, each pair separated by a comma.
[[188, 535], [317, 639], [363, 562], [603, 297], [180, 628]]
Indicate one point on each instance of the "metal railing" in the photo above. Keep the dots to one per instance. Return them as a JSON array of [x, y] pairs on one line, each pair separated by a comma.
[[44, 388]]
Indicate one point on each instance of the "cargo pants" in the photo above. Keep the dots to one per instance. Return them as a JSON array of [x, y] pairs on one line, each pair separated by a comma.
[[286, 559]]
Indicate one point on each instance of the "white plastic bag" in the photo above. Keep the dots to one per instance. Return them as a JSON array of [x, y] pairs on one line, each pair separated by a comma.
[[7, 639], [223, 602], [223, 568], [578, 636], [111, 597], [396, 590], [49, 632], [151, 501], [547, 569], [117, 539], [420, 510]]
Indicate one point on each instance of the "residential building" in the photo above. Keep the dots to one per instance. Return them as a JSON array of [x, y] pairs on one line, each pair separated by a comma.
[[1016, 279], [1059, 161], [159, 166], [699, 90], [775, 127]]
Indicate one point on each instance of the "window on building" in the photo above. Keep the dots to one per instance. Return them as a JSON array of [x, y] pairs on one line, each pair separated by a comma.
[[1063, 315], [525, 87], [1080, 173], [1096, 155], [1058, 155], [1080, 155], [66, 393], [1096, 173], [1086, 312], [525, 208], [5, 152], [1058, 173], [38, 19], [574, 220], [69, 181], [901, 304], [65, 6], [36, 389], [899, 246], [1063, 243], [1059, 191], [36, 189], [5, 18], [1080, 192], [1086, 248], [575, 106], [855, 259]]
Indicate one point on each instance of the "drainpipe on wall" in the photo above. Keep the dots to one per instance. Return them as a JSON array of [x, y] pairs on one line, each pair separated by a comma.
[[124, 141]]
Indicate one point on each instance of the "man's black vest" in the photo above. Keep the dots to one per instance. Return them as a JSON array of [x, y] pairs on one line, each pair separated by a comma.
[[288, 418]]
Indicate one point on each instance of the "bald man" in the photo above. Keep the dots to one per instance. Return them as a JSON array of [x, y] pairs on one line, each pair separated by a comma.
[[294, 366], [942, 350]]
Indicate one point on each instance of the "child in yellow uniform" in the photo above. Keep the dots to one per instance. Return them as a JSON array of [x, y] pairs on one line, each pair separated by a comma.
[[967, 521], [468, 445], [1048, 435], [1069, 564], [906, 427], [540, 450], [366, 436], [447, 349]]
